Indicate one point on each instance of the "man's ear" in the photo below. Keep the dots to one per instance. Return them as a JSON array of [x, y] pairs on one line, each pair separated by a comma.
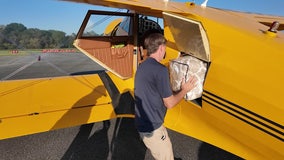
[[160, 48]]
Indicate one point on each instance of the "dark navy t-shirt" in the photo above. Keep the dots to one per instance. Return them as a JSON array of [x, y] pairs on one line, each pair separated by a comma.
[[152, 84]]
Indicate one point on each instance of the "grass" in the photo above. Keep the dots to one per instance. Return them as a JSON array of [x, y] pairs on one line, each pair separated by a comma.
[[20, 52]]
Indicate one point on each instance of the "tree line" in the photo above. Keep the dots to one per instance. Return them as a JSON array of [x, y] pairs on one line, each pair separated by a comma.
[[17, 36]]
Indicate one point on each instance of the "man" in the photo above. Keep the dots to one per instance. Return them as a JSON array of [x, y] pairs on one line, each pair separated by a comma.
[[153, 96]]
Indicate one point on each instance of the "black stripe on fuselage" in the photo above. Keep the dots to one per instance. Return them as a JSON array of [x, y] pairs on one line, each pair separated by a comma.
[[246, 113]]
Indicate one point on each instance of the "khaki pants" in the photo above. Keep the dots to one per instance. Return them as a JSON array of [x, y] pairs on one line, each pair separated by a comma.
[[159, 143]]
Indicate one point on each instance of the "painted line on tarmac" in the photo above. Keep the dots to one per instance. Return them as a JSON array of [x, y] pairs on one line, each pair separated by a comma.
[[18, 70]]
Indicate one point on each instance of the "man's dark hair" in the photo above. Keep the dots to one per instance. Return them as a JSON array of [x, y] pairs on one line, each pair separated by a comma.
[[153, 41]]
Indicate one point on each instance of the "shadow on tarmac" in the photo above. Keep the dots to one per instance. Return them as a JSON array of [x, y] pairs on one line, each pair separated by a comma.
[[125, 144], [209, 152], [89, 147]]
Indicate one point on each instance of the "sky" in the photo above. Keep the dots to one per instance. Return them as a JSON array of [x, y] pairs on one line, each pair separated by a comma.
[[67, 16]]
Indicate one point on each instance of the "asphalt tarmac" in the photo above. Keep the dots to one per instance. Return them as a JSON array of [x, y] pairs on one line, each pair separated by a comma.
[[115, 139]]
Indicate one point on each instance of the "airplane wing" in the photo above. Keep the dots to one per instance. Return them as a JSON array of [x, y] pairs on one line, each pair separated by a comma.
[[263, 19], [155, 8], [44, 104]]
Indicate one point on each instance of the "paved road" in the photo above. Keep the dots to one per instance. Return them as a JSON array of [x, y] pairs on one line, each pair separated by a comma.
[[116, 139]]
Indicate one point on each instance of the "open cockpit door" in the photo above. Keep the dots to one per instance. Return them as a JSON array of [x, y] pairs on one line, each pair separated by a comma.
[[107, 38], [189, 35]]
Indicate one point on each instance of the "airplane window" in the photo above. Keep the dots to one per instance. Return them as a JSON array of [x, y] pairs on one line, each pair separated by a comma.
[[147, 25], [116, 26], [124, 28]]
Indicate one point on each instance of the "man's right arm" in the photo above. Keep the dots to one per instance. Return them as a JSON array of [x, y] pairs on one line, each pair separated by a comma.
[[172, 100]]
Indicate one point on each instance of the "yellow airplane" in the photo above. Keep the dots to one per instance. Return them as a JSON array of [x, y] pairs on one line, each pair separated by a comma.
[[240, 107]]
